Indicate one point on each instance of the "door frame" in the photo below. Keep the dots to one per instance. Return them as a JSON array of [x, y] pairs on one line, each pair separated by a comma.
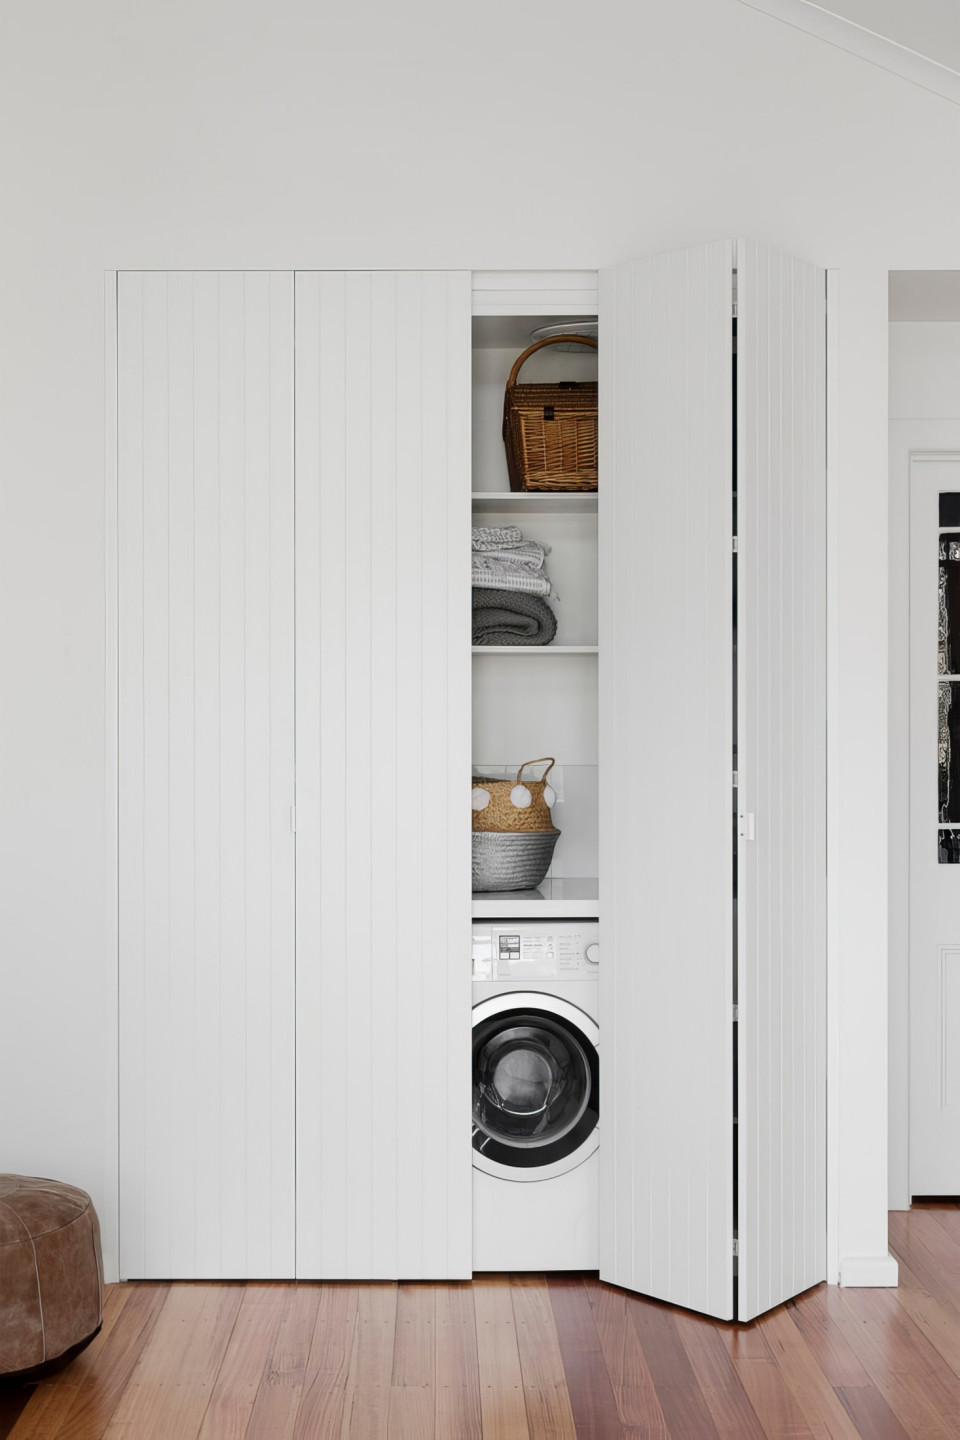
[[910, 441]]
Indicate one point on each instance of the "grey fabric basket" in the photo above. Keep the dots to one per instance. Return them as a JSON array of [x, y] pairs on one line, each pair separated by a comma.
[[512, 861]]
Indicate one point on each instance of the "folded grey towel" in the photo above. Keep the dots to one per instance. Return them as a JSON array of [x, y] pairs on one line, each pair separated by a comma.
[[493, 573], [496, 537], [511, 617]]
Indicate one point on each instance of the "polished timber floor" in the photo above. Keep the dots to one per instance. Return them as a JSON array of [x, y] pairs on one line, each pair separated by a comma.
[[515, 1358]]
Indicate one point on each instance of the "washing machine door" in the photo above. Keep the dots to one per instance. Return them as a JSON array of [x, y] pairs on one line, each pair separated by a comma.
[[536, 1085]]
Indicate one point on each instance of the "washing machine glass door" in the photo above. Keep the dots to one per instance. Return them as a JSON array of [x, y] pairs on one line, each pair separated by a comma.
[[535, 1085]]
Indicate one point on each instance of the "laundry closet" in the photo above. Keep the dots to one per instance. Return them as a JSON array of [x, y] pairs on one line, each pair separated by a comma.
[[301, 459]]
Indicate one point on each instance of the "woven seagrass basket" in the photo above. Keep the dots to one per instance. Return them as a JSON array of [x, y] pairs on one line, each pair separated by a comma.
[[514, 806], [512, 862], [550, 431]]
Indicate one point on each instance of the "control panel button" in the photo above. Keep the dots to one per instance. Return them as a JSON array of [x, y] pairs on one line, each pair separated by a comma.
[[592, 953]]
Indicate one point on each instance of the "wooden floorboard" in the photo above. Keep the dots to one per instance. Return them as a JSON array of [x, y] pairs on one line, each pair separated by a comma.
[[503, 1408], [677, 1385], [279, 1397], [523, 1357], [593, 1403], [172, 1382], [325, 1378], [367, 1401], [729, 1404], [457, 1369], [630, 1378]]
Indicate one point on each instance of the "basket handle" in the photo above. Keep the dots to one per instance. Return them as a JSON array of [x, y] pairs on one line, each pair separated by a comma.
[[542, 757], [550, 340]]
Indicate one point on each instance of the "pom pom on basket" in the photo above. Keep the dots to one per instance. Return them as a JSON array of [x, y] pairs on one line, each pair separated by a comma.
[[514, 805]]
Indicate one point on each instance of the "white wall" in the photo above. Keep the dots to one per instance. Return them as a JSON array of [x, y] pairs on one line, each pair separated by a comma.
[[204, 134], [924, 415]]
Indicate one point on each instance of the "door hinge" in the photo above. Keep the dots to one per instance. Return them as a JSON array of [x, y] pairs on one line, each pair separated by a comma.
[[736, 1013], [293, 819], [736, 544], [747, 827], [736, 778], [736, 1246]]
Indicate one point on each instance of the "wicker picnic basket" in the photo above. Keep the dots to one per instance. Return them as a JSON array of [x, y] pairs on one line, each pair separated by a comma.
[[514, 806], [550, 431]]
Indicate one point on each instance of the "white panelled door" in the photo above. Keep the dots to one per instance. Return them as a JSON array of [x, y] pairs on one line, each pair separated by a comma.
[[206, 737], [692, 1168], [781, 746], [383, 760], [666, 716]]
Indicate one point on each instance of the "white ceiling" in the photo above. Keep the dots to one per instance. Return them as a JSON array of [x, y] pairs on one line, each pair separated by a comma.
[[925, 294]]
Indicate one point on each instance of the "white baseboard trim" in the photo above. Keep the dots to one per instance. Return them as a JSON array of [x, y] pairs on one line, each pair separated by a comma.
[[860, 1271]]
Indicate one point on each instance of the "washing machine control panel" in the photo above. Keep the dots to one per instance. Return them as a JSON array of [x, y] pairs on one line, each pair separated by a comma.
[[536, 952]]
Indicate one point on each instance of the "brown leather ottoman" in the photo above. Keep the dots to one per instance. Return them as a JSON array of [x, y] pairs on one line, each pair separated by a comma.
[[51, 1275]]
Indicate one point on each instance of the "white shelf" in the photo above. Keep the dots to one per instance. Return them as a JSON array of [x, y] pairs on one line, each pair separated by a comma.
[[536, 649], [567, 897], [545, 502]]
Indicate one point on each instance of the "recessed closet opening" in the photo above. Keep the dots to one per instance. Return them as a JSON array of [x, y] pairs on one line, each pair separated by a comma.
[[538, 698]]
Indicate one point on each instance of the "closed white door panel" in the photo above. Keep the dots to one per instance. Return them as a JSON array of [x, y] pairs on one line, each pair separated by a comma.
[[206, 735], [383, 766], [781, 740], [666, 1150]]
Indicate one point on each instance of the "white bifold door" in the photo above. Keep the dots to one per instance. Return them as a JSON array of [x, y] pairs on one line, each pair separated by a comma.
[[293, 492], [384, 1170], [712, 525]]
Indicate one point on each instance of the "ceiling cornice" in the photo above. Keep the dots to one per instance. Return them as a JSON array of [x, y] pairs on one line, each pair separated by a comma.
[[867, 44]]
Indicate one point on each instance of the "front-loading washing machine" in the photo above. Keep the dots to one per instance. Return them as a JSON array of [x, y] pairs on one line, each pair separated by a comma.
[[536, 1091]]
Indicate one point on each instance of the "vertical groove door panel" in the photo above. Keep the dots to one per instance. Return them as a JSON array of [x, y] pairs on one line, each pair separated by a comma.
[[666, 1149], [383, 766], [206, 733], [781, 387]]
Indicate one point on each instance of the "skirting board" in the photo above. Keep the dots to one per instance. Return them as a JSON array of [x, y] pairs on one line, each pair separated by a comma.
[[860, 1271]]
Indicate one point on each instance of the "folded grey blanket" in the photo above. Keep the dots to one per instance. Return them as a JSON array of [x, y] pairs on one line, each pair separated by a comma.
[[511, 617]]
